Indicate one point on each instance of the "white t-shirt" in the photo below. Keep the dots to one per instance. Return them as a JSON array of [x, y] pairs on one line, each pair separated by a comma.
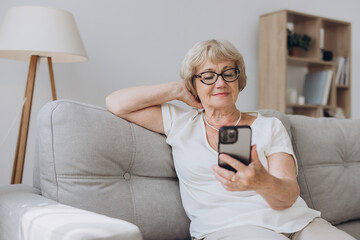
[[208, 205]]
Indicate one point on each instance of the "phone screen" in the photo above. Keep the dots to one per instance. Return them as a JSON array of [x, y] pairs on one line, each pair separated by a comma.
[[236, 142]]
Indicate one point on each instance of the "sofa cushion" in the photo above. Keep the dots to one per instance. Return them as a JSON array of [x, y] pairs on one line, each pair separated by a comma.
[[328, 154], [91, 159], [352, 228]]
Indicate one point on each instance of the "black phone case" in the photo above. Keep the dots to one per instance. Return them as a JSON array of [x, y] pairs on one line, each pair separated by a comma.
[[240, 149]]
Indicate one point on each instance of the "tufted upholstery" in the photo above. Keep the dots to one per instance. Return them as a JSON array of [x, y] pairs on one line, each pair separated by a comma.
[[328, 152], [328, 155], [93, 160]]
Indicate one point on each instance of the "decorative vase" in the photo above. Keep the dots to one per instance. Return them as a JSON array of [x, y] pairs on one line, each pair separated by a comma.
[[294, 51]]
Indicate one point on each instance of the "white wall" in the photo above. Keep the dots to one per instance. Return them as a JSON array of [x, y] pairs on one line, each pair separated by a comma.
[[133, 42]]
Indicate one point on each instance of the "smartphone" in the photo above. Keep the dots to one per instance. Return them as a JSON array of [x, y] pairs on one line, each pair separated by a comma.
[[236, 142]]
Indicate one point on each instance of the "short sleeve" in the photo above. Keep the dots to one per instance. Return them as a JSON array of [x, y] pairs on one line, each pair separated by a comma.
[[280, 141], [165, 110], [172, 115]]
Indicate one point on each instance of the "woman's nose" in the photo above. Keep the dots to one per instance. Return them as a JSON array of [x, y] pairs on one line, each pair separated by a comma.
[[220, 82]]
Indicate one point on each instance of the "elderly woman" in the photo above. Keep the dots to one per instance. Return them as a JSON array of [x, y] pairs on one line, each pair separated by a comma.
[[258, 201]]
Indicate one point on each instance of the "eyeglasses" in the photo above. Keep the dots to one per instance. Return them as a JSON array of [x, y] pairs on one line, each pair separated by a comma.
[[229, 75]]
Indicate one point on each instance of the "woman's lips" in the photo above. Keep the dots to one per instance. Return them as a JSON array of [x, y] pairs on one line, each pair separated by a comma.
[[223, 94]]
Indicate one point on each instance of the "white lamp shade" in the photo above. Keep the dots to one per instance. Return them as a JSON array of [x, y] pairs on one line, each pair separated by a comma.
[[43, 31]]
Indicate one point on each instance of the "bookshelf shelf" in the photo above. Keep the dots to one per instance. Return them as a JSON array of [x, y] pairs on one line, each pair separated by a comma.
[[301, 61], [309, 106], [275, 63], [342, 87]]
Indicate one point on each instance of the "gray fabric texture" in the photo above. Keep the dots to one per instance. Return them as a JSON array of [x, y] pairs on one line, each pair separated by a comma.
[[36, 170], [91, 159], [352, 228], [328, 153], [94, 160], [15, 200]]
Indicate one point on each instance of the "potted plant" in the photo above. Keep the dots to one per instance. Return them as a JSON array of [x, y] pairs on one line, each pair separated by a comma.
[[297, 42]]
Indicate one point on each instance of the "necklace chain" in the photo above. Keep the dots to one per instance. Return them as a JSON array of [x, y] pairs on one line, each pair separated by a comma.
[[237, 122]]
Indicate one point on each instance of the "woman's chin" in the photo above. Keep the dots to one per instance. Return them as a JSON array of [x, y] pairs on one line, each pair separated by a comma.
[[220, 104]]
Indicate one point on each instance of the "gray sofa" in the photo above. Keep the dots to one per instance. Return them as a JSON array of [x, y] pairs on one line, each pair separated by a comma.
[[89, 159]]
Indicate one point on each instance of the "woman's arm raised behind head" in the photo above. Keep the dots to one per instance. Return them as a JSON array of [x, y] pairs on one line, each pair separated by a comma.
[[142, 105]]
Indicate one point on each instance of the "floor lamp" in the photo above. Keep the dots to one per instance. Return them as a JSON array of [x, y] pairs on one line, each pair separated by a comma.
[[38, 34]]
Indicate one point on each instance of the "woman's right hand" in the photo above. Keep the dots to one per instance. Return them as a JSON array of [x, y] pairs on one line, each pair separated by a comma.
[[186, 96]]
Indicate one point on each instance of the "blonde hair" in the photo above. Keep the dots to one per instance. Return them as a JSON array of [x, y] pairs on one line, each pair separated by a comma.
[[216, 51]]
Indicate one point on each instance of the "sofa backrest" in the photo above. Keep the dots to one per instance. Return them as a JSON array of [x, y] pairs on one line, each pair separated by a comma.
[[94, 160], [328, 154], [91, 159], [328, 157]]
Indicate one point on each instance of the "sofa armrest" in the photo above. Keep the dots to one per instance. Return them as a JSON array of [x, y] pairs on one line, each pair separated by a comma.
[[14, 201], [24, 214], [65, 222]]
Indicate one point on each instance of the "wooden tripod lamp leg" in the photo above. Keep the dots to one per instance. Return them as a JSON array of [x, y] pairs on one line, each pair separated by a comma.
[[17, 173], [52, 80]]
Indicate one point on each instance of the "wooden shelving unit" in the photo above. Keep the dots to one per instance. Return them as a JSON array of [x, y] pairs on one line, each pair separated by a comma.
[[274, 60]]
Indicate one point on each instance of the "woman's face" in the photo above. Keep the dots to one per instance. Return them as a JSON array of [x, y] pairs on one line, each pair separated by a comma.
[[220, 94]]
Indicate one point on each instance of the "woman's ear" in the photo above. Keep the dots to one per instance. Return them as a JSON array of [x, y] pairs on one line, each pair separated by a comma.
[[195, 93]]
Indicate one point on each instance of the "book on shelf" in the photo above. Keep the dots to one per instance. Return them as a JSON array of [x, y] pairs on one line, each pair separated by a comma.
[[342, 71], [346, 72], [317, 87]]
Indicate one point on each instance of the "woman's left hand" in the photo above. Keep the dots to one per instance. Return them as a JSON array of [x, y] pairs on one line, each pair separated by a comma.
[[251, 177]]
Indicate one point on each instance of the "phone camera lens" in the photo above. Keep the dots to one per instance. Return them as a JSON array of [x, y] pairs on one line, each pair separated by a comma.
[[228, 135], [231, 135], [224, 137]]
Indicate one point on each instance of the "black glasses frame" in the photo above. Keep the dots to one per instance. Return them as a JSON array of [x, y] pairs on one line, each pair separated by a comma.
[[237, 71]]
